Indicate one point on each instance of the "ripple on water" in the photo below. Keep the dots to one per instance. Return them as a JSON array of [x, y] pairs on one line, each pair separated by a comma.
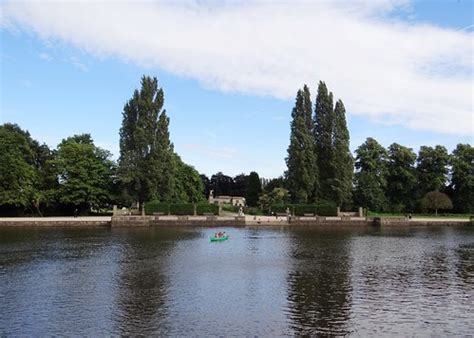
[[264, 282]]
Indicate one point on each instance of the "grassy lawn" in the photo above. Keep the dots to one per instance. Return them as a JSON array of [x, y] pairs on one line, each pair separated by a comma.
[[398, 215]]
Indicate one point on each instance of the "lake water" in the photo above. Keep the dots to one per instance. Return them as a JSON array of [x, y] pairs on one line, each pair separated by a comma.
[[260, 282]]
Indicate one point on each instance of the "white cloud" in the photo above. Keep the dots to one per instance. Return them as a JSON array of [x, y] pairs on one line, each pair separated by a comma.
[[415, 75]]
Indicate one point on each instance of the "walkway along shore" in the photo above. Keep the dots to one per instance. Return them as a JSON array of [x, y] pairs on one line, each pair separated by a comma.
[[223, 221]]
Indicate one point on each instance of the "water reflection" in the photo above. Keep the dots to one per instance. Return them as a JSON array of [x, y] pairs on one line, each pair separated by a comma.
[[319, 286], [143, 281], [262, 282]]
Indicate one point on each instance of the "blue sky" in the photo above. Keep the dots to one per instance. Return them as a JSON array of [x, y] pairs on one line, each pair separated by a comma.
[[230, 72]]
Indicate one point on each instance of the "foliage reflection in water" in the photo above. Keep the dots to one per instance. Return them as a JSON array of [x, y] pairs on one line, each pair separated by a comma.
[[263, 281]]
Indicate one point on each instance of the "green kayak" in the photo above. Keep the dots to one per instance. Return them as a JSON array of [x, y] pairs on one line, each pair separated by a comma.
[[219, 239]]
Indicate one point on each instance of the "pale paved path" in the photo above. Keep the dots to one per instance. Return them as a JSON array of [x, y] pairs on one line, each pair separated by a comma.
[[57, 219]]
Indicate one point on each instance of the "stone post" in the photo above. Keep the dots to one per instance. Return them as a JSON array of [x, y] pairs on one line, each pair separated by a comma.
[[114, 213], [361, 212], [338, 211], [195, 209]]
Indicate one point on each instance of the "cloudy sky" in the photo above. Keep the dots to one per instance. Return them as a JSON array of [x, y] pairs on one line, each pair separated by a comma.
[[230, 71]]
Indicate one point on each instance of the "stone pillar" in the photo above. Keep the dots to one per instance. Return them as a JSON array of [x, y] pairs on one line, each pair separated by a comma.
[[361, 212], [195, 209], [338, 211], [115, 211], [143, 209]]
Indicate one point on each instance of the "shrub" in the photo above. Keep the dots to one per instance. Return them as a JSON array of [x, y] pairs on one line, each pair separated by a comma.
[[254, 211], [301, 209], [182, 209], [202, 209], [230, 207], [156, 206]]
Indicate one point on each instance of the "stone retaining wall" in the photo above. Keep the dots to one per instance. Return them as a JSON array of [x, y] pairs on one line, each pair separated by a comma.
[[49, 223]]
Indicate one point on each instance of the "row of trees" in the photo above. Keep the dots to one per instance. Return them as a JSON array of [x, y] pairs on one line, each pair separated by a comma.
[[320, 164], [397, 179], [80, 175], [321, 167]]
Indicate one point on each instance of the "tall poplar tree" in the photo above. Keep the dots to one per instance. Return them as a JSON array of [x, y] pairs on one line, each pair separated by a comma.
[[323, 136], [343, 162], [145, 151], [301, 161]]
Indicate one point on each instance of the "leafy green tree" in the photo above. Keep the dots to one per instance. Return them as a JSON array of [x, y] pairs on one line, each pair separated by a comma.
[[17, 172], [254, 188], [301, 160], [341, 184], [323, 135], [84, 172], [462, 178], [27, 178], [435, 200], [432, 169], [276, 196], [401, 179], [278, 182], [146, 164], [188, 186], [370, 179]]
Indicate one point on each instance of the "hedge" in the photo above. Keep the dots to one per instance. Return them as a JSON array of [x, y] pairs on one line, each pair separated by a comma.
[[326, 209], [281, 208], [156, 206], [301, 209], [182, 209], [202, 209]]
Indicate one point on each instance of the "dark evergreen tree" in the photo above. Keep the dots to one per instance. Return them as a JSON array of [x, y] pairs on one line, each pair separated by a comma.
[[207, 185], [254, 189], [370, 179], [323, 135], [301, 161], [146, 159], [401, 179], [239, 187], [432, 169], [462, 178], [341, 184], [222, 185]]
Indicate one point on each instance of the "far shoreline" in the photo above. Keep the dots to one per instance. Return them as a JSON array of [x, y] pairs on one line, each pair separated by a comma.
[[226, 221]]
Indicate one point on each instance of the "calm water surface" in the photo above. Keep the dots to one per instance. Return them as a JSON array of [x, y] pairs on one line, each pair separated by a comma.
[[262, 282]]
